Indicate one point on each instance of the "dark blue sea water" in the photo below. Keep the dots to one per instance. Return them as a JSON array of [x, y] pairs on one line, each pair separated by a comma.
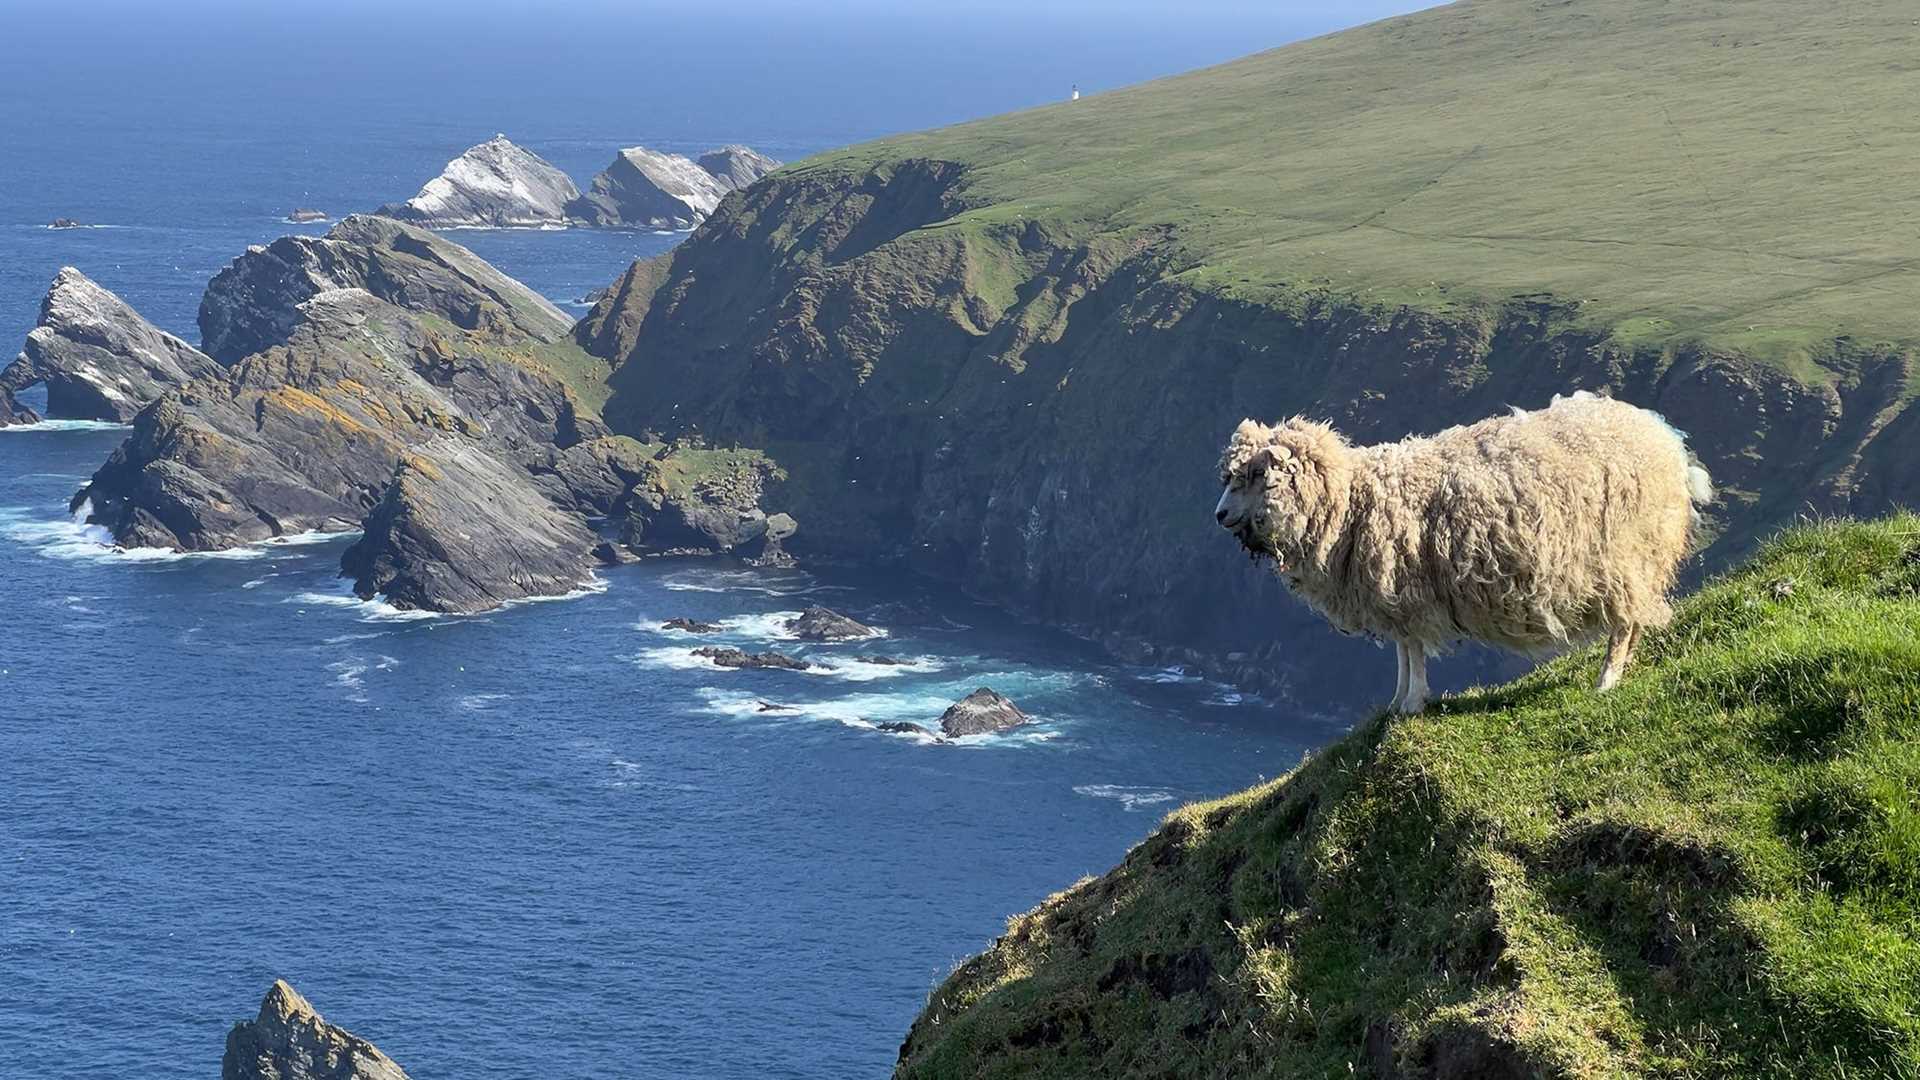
[[546, 841]]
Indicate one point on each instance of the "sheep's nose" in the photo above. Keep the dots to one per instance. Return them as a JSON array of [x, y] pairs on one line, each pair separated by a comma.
[[1220, 515]]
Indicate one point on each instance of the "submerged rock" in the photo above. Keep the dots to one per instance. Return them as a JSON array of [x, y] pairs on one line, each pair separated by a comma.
[[729, 657], [254, 302], [822, 624], [458, 530], [99, 359], [304, 216], [734, 167], [65, 223], [289, 1040], [691, 626], [981, 713], [902, 727], [493, 185]]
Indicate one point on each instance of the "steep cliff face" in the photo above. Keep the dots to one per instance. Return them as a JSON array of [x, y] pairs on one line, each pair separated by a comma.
[[1034, 408]]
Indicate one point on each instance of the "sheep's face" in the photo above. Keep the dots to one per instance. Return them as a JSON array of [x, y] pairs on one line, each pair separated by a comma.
[[1276, 483]]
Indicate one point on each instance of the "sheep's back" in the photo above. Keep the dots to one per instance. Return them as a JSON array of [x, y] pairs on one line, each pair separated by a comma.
[[1537, 529]]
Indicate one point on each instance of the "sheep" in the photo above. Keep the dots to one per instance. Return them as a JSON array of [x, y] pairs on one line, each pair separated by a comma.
[[1531, 532]]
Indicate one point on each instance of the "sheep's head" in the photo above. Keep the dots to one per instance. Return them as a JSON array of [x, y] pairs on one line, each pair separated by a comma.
[[1285, 488]]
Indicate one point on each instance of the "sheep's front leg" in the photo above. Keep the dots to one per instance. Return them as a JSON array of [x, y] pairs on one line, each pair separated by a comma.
[[1400, 679], [1619, 653], [1415, 699]]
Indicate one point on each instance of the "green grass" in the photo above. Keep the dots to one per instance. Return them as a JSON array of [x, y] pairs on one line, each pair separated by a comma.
[[1713, 871], [1733, 173]]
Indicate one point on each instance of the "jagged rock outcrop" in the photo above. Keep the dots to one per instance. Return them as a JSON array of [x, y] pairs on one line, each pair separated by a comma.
[[98, 358], [769, 549], [823, 624], [982, 712], [728, 657], [593, 477], [649, 189], [253, 303], [691, 499], [460, 530], [493, 185], [289, 1040], [736, 166], [612, 326], [691, 626], [307, 435]]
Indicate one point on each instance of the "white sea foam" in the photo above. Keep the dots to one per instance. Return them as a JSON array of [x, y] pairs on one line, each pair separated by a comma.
[[850, 668], [75, 539], [593, 586], [1168, 675], [370, 610], [68, 425], [868, 711], [1130, 798], [745, 581], [481, 702]]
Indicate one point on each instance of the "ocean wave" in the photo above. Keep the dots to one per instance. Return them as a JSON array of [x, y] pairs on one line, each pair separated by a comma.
[[74, 539], [745, 581], [370, 610], [867, 711], [593, 586], [1169, 675], [481, 702], [68, 425], [1130, 798]]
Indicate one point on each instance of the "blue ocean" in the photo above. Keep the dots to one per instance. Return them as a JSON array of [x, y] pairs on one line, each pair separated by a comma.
[[547, 841]]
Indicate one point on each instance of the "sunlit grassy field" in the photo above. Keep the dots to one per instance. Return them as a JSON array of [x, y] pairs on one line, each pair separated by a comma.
[[1734, 172]]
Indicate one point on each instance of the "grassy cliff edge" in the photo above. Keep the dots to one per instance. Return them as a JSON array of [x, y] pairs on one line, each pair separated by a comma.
[[1712, 871]]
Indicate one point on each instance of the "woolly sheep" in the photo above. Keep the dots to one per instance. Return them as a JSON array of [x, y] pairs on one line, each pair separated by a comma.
[[1531, 532]]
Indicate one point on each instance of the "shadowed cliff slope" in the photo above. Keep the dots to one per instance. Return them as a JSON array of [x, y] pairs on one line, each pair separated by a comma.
[[1713, 871], [1007, 352]]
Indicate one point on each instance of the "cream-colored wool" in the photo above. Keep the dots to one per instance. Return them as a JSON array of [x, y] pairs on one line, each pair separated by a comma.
[[1532, 531]]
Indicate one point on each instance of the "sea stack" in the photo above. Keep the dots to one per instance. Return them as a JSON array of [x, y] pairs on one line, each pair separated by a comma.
[[493, 185], [99, 358], [645, 188], [289, 1040]]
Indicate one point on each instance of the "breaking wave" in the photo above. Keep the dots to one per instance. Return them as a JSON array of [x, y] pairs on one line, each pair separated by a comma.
[[1130, 798]]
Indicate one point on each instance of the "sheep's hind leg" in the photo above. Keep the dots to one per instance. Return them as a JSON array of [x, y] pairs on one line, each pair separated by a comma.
[[1619, 653], [1400, 679], [1415, 699]]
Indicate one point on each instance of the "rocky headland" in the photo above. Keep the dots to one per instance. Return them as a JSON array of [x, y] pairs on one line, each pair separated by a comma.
[[494, 185], [98, 358], [290, 1040]]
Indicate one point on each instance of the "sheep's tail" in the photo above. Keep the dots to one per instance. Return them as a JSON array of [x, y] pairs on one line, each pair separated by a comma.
[[1699, 484]]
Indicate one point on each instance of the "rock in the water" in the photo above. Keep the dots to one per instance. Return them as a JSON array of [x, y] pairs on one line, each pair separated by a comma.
[[901, 727], [981, 713], [728, 657], [305, 216], [493, 185], [647, 189], [885, 661], [65, 223], [691, 626], [291, 1041], [253, 303], [735, 167], [459, 530], [307, 435], [822, 624], [769, 548], [99, 358], [12, 412]]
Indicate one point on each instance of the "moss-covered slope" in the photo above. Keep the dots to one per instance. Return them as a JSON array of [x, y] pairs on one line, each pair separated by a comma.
[[1713, 871]]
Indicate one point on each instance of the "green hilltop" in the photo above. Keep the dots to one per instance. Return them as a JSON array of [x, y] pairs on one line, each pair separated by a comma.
[[1732, 173], [1713, 871]]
